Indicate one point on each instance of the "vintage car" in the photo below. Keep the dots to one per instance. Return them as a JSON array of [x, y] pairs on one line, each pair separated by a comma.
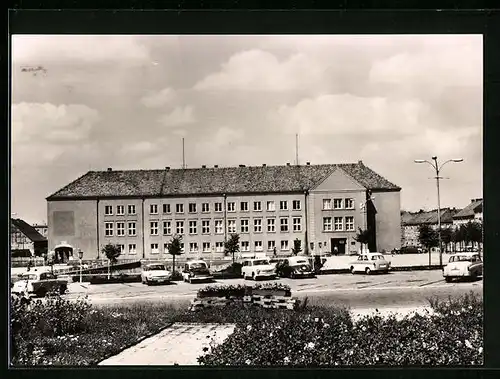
[[463, 265], [39, 283], [197, 270], [370, 263], [258, 268], [155, 273], [295, 267]]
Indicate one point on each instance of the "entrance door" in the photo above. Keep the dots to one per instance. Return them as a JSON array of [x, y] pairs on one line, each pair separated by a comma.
[[338, 246]]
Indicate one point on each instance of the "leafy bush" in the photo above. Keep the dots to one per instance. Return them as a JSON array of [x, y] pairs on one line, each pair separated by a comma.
[[240, 290]]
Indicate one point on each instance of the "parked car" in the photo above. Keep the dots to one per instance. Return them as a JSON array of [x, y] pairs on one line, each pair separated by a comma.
[[258, 268], [197, 270], [369, 263], [411, 250], [295, 267], [39, 283], [463, 265], [155, 273]]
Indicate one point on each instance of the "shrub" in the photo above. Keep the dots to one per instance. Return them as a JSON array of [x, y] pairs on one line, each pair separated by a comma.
[[240, 290]]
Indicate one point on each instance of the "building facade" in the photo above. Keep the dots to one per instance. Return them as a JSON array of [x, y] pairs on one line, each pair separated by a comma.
[[473, 212], [25, 241], [42, 229], [267, 206]]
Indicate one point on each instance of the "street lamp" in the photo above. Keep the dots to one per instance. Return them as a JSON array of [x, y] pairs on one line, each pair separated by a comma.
[[438, 168], [80, 257]]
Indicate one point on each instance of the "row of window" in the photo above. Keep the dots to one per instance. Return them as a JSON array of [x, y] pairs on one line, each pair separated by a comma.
[[205, 207], [339, 224], [168, 226], [338, 204], [206, 247]]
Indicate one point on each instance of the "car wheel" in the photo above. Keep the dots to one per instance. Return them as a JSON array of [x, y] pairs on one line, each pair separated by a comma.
[[368, 271], [63, 289], [352, 270]]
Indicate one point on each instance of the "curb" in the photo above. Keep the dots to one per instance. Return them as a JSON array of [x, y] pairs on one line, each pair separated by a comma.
[[400, 268]]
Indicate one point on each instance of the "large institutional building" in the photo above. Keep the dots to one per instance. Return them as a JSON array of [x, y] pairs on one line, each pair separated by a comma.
[[268, 206]]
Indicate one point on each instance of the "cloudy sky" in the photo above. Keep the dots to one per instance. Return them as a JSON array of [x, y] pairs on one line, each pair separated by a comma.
[[127, 101]]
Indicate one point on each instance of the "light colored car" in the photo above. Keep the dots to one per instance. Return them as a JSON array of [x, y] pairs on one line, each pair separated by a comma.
[[258, 268], [39, 283], [155, 273], [463, 265], [197, 270], [295, 267], [370, 263]]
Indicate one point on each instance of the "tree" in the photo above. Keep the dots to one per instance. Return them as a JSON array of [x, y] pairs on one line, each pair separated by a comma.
[[112, 252], [174, 247], [232, 245], [474, 231], [427, 236], [297, 248], [363, 237], [446, 237]]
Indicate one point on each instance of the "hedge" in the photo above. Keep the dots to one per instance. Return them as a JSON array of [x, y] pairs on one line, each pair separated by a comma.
[[122, 278], [242, 290]]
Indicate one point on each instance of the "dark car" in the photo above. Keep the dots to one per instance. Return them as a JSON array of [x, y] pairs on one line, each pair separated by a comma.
[[411, 250], [295, 267]]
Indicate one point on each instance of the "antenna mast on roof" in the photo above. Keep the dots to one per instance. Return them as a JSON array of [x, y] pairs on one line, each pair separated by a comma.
[[297, 149], [183, 159]]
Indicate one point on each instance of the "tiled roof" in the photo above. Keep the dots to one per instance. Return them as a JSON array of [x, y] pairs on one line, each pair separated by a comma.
[[198, 181], [27, 230], [430, 217], [468, 212]]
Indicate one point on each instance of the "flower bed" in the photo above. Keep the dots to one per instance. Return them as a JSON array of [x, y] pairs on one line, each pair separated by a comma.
[[122, 278], [277, 289]]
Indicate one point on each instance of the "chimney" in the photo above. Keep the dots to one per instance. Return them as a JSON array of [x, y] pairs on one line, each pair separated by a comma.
[[110, 169], [288, 164], [308, 163], [203, 166], [216, 165], [360, 162], [167, 168], [264, 165], [242, 165]]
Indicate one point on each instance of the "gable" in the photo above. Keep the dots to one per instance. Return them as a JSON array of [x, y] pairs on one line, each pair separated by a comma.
[[339, 180]]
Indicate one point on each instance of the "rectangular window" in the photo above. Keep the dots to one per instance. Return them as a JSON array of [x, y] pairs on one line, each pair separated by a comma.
[[153, 209], [271, 245], [153, 228], [284, 225], [192, 207], [120, 210], [244, 226], [297, 224], [132, 248], [108, 210], [338, 223], [205, 207], [231, 226], [258, 245], [231, 207], [257, 206], [257, 225], [192, 227], [131, 209], [327, 224], [244, 206], [122, 249], [165, 248], [349, 223], [218, 207], [245, 246], [120, 228], [179, 227], [219, 227], [219, 247], [206, 247], [131, 229], [327, 204], [179, 208], [271, 206], [349, 203], [205, 226], [166, 208], [337, 203], [193, 247], [271, 225], [296, 206], [154, 248], [167, 228], [108, 229], [283, 205], [284, 245]]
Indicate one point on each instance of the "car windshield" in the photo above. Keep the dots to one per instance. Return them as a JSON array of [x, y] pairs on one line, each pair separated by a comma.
[[463, 258], [198, 265], [261, 262], [28, 277], [375, 257], [156, 267]]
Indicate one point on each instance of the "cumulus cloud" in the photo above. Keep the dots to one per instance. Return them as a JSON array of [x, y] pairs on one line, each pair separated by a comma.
[[257, 70], [36, 49], [159, 99], [179, 116], [348, 114]]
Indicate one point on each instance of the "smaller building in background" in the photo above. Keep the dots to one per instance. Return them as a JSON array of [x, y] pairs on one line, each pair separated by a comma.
[[41, 228], [472, 212], [25, 240]]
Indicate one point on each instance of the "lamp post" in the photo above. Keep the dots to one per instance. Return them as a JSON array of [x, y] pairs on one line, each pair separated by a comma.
[[435, 165], [80, 257]]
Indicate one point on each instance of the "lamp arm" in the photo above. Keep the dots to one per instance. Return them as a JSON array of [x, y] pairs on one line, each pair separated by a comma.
[[449, 160]]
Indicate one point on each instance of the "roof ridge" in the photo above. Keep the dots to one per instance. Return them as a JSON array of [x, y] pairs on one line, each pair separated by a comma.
[[69, 184]]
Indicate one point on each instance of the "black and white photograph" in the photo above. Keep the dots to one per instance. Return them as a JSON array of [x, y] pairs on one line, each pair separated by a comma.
[[246, 200]]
